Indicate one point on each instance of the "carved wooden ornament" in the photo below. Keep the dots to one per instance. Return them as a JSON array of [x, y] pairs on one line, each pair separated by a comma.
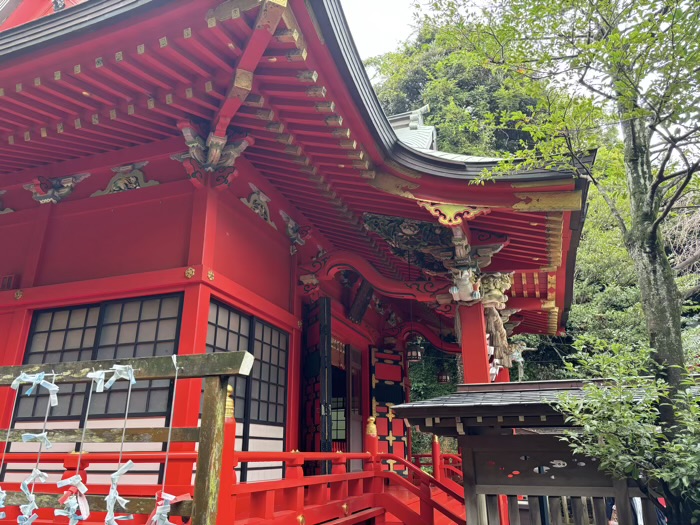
[[126, 178]]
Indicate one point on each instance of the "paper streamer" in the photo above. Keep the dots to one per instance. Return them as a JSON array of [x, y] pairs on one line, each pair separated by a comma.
[[164, 501], [118, 372], [43, 438], [3, 495], [37, 379], [27, 517], [74, 500], [113, 497]]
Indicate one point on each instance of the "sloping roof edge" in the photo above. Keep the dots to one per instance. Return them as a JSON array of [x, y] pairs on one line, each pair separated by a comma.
[[93, 14]]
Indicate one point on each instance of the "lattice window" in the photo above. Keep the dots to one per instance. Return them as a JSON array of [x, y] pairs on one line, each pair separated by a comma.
[[338, 416], [260, 399], [269, 375], [144, 327], [229, 332]]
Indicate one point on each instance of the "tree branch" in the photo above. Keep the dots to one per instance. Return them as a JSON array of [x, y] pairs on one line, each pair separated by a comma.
[[692, 169], [589, 174], [690, 293], [688, 262]]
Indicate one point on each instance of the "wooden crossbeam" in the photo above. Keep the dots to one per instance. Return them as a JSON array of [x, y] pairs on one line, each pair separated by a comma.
[[113, 435], [191, 366], [98, 504]]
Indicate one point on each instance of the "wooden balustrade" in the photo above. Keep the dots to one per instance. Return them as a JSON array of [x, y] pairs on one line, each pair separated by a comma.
[[216, 437], [352, 497]]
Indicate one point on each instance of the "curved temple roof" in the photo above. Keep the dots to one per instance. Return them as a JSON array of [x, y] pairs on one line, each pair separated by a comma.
[[539, 211]]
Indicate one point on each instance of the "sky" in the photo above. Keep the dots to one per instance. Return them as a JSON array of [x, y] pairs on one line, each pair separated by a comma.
[[378, 26]]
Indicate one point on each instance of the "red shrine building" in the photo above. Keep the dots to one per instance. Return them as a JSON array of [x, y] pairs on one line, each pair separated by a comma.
[[193, 176]]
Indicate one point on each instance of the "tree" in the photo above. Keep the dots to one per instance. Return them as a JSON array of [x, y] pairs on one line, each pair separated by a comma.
[[463, 95], [633, 66]]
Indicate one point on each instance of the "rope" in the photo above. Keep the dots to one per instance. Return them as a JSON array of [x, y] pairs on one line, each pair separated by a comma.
[[43, 429], [170, 428], [126, 417], [85, 424]]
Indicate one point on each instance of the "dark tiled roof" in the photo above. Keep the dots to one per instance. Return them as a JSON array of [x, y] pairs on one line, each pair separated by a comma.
[[514, 395]]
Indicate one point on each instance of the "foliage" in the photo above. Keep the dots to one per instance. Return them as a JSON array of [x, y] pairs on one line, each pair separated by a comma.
[[466, 98], [424, 385], [622, 76], [618, 420]]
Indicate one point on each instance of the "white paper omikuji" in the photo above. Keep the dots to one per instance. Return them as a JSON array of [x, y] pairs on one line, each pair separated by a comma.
[[118, 372], [74, 500], [113, 497], [28, 517], [34, 380]]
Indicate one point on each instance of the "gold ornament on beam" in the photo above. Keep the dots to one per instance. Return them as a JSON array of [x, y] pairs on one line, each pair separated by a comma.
[[453, 214]]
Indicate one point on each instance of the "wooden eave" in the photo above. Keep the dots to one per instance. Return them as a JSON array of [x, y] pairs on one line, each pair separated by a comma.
[[320, 136]]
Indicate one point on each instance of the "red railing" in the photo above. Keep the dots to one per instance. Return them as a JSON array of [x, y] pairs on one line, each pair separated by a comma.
[[357, 496]]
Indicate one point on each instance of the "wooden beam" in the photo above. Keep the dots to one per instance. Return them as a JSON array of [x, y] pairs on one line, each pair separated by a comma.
[[361, 302], [114, 435], [190, 366]]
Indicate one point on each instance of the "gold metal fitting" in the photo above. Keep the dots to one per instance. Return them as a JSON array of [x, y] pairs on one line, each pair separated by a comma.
[[371, 427], [301, 520], [229, 402], [189, 273], [210, 275], [346, 509], [19, 294]]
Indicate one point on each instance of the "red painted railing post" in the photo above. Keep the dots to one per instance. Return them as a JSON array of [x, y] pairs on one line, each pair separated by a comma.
[[371, 444], [71, 463], [227, 503], [426, 510], [437, 460], [372, 447], [293, 497], [339, 489]]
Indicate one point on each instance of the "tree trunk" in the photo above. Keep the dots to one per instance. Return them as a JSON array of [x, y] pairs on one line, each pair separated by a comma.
[[660, 297], [659, 294]]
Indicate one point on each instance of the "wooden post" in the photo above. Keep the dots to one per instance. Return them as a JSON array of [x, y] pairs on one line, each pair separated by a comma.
[[339, 489], [579, 510], [533, 503], [622, 503], [475, 355], [426, 511], [437, 463], [513, 510], [599, 515], [555, 510], [209, 460], [227, 504], [372, 447], [469, 476], [494, 517]]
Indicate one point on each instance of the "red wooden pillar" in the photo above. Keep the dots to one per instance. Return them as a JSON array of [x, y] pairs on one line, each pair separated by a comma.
[[14, 331], [437, 463], [503, 376], [475, 356], [193, 340]]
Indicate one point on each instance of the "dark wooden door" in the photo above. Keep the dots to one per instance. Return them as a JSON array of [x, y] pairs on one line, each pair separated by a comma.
[[317, 386]]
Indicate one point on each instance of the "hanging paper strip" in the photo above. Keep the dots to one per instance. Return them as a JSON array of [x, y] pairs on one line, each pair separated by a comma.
[[43, 438], [28, 517], [37, 379], [113, 497], [3, 495], [74, 500], [118, 372], [164, 501]]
